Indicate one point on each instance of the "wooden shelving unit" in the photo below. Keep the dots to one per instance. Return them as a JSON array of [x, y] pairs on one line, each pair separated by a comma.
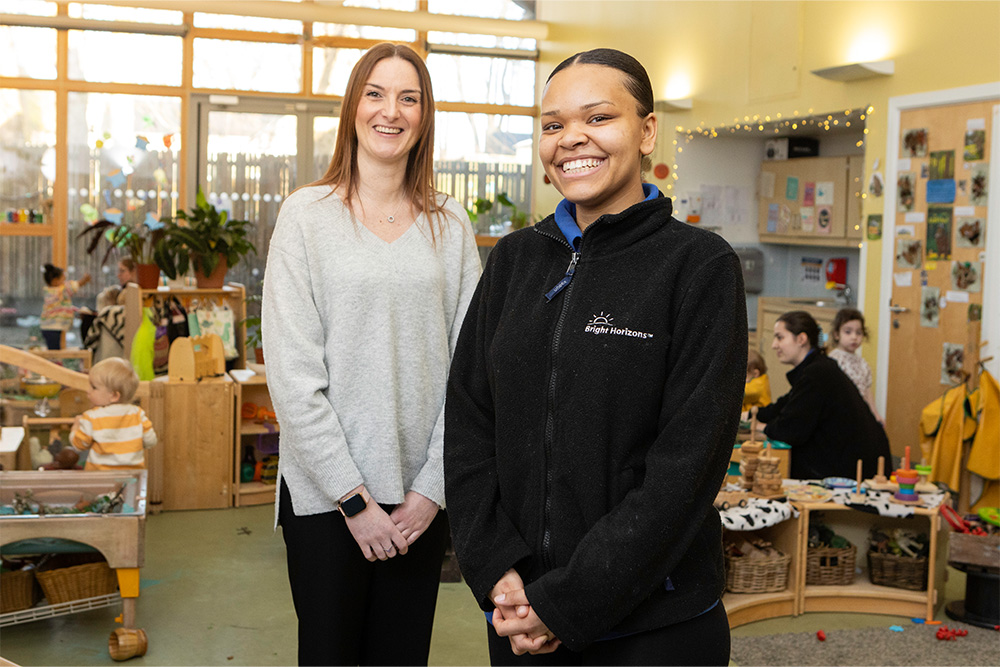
[[748, 607], [252, 390]]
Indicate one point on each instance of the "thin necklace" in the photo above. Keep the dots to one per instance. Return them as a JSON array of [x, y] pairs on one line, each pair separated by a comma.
[[389, 218]]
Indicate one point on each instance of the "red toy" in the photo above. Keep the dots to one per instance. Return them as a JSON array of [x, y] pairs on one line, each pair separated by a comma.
[[946, 634], [820, 635]]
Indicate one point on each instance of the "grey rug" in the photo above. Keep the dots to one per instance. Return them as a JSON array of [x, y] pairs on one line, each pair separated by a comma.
[[916, 645]]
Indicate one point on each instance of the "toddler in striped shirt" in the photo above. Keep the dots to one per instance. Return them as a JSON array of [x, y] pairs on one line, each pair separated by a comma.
[[115, 431]]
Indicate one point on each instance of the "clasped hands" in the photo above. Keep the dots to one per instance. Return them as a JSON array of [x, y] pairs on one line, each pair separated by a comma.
[[382, 536], [515, 619]]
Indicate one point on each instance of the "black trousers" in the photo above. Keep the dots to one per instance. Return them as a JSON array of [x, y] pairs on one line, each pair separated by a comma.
[[703, 640], [351, 611]]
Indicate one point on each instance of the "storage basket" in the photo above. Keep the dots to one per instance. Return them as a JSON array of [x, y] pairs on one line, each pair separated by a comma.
[[75, 583], [757, 575], [827, 566], [898, 571], [17, 590]]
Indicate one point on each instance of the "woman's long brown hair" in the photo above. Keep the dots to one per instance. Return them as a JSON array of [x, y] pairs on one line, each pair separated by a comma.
[[419, 181]]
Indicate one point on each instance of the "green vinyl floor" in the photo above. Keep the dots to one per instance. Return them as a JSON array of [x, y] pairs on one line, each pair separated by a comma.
[[215, 592]]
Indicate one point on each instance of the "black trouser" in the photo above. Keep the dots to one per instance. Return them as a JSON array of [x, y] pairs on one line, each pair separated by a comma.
[[703, 640], [53, 338], [351, 611]]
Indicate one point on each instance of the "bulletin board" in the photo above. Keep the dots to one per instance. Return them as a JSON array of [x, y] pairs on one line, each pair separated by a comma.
[[940, 250]]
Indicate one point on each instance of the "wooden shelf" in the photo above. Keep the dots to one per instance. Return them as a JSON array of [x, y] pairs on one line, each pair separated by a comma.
[[250, 390], [25, 229], [254, 493], [253, 428]]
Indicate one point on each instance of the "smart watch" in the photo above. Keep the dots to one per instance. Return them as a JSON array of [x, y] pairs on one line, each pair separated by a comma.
[[353, 505]]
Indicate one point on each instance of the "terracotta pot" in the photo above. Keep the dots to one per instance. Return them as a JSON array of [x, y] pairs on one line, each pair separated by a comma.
[[214, 281], [258, 353], [147, 275]]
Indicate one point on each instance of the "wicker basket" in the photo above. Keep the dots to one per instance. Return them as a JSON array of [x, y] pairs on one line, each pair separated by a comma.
[[826, 566], [17, 590], [757, 575], [75, 583], [898, 571]]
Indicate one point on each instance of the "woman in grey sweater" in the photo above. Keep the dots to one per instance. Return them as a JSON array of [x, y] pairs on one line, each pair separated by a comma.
[[369, 275]]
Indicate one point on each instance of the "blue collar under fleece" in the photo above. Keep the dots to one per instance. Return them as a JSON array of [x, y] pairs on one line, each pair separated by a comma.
[[566, 216]]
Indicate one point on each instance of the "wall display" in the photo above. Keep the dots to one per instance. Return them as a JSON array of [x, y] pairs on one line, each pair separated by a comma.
[[906, 186], [930, 306], [952, 358], [970, 232], [942, 165], [975, 145], [978, 185], [875, 227], [914, 143], [938, 232], [909, 253], [967, 276]]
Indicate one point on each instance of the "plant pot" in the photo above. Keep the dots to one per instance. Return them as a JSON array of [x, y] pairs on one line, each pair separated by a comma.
[[258, 354], [217, 278], [147, 275]]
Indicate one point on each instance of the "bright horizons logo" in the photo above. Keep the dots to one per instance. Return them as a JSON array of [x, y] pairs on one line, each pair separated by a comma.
[[603, 324]]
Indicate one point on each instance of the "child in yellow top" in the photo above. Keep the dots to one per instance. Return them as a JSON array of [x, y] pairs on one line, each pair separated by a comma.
[[58, 309], [115, 431], [758, 389]]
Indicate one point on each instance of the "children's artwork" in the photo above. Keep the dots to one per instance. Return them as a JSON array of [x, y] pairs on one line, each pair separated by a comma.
[[824, 220], [925, 171], [772, 218], [930, 306], [784, 218], [809, 194], [938, 232], [876, 185], [941, 191], [914, 143], [942, 165], [970, 232], [952, 359], [978, 185], [963, 187], [909, 253], [812, 270], [792, 188], [906, 187], [824, 192], [967, 276], [875, 227], [975, 145], [808, 214]]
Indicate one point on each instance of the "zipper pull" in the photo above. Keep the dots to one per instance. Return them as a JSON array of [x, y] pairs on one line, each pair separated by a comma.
[[551, 294]]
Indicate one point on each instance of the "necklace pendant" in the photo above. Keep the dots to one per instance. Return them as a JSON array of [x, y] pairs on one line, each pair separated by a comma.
[[392, 218]]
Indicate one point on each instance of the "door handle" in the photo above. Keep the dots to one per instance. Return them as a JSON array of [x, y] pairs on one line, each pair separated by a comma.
[[899, 309]]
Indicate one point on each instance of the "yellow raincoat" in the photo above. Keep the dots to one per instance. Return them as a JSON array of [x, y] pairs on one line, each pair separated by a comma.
[[984, 457], [942, 432]]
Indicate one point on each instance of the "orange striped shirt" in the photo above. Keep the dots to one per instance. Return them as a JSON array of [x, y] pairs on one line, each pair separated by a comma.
[[116, 435]]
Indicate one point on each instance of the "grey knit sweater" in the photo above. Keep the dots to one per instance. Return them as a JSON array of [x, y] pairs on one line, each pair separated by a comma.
[[358, 335]]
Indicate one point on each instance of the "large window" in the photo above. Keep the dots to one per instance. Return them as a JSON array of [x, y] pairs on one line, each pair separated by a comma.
[[111, 57], [27, 52], [255, 66]]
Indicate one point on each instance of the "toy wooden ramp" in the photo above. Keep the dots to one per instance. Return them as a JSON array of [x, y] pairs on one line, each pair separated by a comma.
[[197, 357], [64, 376]]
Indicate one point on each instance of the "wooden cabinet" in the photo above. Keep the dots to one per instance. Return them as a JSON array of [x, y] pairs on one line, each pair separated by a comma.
[[195, 437], [811, 201], [854, 526], [253, 435], [769, 309], [232, 294], [748, 607]]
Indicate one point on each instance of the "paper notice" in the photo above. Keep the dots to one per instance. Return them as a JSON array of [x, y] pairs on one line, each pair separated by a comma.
[[916, 216], [975, 124], [824, 192], [765, 186], [905, 230], [903, 165], [965, 210], [957, 296], [903, 278]]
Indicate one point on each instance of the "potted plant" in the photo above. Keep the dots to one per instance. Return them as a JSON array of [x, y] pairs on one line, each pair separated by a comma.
[[205, 239], [139, 240], [518, 219]]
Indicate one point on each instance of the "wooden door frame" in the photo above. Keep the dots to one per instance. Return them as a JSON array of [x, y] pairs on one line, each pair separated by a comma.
[[991, 288]]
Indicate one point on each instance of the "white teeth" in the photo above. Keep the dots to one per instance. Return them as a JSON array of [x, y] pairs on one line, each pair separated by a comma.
[[576, 165], [387, 130]]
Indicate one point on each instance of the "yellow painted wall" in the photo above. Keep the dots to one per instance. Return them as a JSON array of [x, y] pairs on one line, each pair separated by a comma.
[[744, 58]]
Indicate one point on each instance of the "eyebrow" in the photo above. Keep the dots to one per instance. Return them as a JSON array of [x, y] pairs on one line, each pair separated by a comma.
[[408, 90], [585, 107]]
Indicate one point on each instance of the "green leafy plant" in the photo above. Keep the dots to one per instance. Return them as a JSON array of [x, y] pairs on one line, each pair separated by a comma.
[[200, 238], [518, 218], [479, 207], [139, 240]]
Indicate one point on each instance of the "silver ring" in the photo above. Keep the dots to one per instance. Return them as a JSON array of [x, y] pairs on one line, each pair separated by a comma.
[[390, 548]]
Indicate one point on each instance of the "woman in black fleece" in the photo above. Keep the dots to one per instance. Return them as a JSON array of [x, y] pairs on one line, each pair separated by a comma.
[[593, 402], [823, 416]]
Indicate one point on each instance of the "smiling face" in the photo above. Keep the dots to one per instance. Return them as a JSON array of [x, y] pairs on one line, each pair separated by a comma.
[[593, 140], [788, 347], [388, 117], [850, 335]]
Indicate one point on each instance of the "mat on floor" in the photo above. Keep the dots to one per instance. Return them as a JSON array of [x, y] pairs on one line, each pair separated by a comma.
[[916, 645]]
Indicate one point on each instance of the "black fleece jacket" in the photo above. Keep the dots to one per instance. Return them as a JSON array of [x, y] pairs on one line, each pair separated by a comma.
[[586, 436], [826, 421]]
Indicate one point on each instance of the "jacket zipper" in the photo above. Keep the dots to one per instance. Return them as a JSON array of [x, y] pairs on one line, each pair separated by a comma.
[[565, 282]]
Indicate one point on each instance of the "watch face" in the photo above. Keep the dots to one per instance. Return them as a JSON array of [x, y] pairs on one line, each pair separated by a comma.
[[353, 505]]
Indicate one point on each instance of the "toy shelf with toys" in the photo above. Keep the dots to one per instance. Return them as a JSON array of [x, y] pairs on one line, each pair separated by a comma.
[[255, 441]]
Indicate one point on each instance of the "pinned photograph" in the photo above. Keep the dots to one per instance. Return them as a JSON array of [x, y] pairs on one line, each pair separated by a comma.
[[952, 359], [975, 145], [876, 185], [978, 185], [970, 232], [909, 253], [938, 233], [915, 143], [824, 220], [875, 227], [942, 165], [967, 276], [906, 187], [930, 306]]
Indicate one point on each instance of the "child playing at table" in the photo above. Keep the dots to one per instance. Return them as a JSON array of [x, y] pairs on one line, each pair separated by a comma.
[[757, 392], [847, 333], [58, 309], [115, 431]]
